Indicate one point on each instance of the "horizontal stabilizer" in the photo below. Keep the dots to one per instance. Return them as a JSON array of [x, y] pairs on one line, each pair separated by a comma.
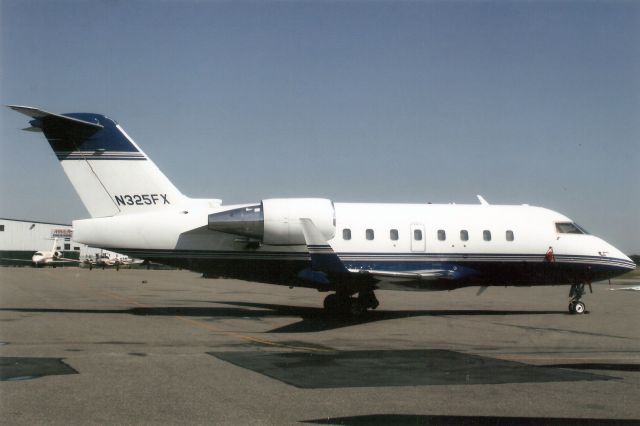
[[30, 111], [39, 114]]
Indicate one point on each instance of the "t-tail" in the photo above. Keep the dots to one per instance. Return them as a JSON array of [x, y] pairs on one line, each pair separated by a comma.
[[108, 170]]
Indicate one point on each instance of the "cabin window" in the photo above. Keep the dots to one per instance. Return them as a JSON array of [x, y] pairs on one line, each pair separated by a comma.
[[486, 235], [417, 234], [569, 228], [67, 246], [76, 248], [464, 235], [369, 234], [442, 235], [346, 234], [1, 228], [509, 235], [393, 234]]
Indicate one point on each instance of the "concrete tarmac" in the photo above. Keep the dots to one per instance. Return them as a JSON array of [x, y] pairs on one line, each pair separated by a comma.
[[168, 347]]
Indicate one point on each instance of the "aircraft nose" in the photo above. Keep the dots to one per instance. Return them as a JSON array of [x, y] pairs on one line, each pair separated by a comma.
[[621, 258]]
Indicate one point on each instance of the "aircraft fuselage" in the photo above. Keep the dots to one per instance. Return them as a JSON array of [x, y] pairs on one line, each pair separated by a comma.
[[479, 244]]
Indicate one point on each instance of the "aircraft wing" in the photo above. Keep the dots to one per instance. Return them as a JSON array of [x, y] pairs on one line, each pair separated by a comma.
[[52, 262], [425, 275], [64, 259], [325, 260]]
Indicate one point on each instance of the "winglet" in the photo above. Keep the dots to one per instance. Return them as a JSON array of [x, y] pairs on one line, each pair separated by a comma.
[[323, 258]]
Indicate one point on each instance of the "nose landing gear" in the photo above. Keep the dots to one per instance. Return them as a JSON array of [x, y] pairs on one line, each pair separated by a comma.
[[576, 306]]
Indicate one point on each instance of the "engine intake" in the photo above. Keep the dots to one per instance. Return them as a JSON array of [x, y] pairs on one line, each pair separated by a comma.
[[277, 221]]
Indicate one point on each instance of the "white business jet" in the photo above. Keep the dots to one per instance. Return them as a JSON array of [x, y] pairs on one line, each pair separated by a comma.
[[347, 249], [54, 257]]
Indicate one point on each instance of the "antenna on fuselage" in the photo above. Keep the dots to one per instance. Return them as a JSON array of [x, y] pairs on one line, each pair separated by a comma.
[[482, 200]]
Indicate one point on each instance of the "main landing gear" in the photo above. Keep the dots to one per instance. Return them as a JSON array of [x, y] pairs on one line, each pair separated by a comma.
[[344, 304], [576, 306]]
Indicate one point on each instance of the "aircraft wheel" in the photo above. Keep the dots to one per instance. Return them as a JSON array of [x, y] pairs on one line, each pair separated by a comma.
[[343, 305], [367, 299], [356, 309], [572, 307], [331, 303], [579, 308]]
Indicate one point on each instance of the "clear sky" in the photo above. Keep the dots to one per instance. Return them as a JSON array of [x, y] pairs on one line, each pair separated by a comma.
[[522, 102]]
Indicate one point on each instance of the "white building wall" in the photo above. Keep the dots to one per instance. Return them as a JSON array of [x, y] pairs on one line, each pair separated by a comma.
[[20, 235]]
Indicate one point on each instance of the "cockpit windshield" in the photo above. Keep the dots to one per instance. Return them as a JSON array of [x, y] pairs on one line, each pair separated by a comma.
[[570, 228]]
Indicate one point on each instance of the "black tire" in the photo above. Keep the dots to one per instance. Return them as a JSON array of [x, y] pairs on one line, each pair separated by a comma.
[[356, 309], [331, 303], [572, 307]]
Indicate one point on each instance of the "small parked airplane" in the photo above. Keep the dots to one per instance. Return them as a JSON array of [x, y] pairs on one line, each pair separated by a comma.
[[104, 260], [632, 288], [348, 249], [54, 257]]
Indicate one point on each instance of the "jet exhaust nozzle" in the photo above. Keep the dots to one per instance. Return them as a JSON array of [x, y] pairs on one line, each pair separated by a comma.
[[244, 221], [276, 221]]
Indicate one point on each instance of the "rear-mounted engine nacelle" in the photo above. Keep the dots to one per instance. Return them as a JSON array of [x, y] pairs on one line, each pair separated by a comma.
[[277, 221]]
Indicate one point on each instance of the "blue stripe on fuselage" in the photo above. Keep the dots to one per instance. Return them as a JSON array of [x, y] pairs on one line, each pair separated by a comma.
[[391, 261]]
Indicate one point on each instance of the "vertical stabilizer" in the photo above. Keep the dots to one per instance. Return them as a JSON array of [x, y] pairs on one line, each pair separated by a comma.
[[108, 170]]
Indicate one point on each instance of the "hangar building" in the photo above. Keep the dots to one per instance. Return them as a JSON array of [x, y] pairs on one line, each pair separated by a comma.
[[19, 239]]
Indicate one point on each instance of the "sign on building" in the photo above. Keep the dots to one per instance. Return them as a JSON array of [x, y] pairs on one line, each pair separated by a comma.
[[61, 233]]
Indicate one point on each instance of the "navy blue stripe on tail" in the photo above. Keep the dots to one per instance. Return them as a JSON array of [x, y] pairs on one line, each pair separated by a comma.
[[82, 136]]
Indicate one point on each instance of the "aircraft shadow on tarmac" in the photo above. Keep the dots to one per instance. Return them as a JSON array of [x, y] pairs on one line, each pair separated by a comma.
[[316, 319], [311, 319]]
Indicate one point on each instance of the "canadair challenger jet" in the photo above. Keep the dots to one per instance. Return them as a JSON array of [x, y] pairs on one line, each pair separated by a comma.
[[347, 249]]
